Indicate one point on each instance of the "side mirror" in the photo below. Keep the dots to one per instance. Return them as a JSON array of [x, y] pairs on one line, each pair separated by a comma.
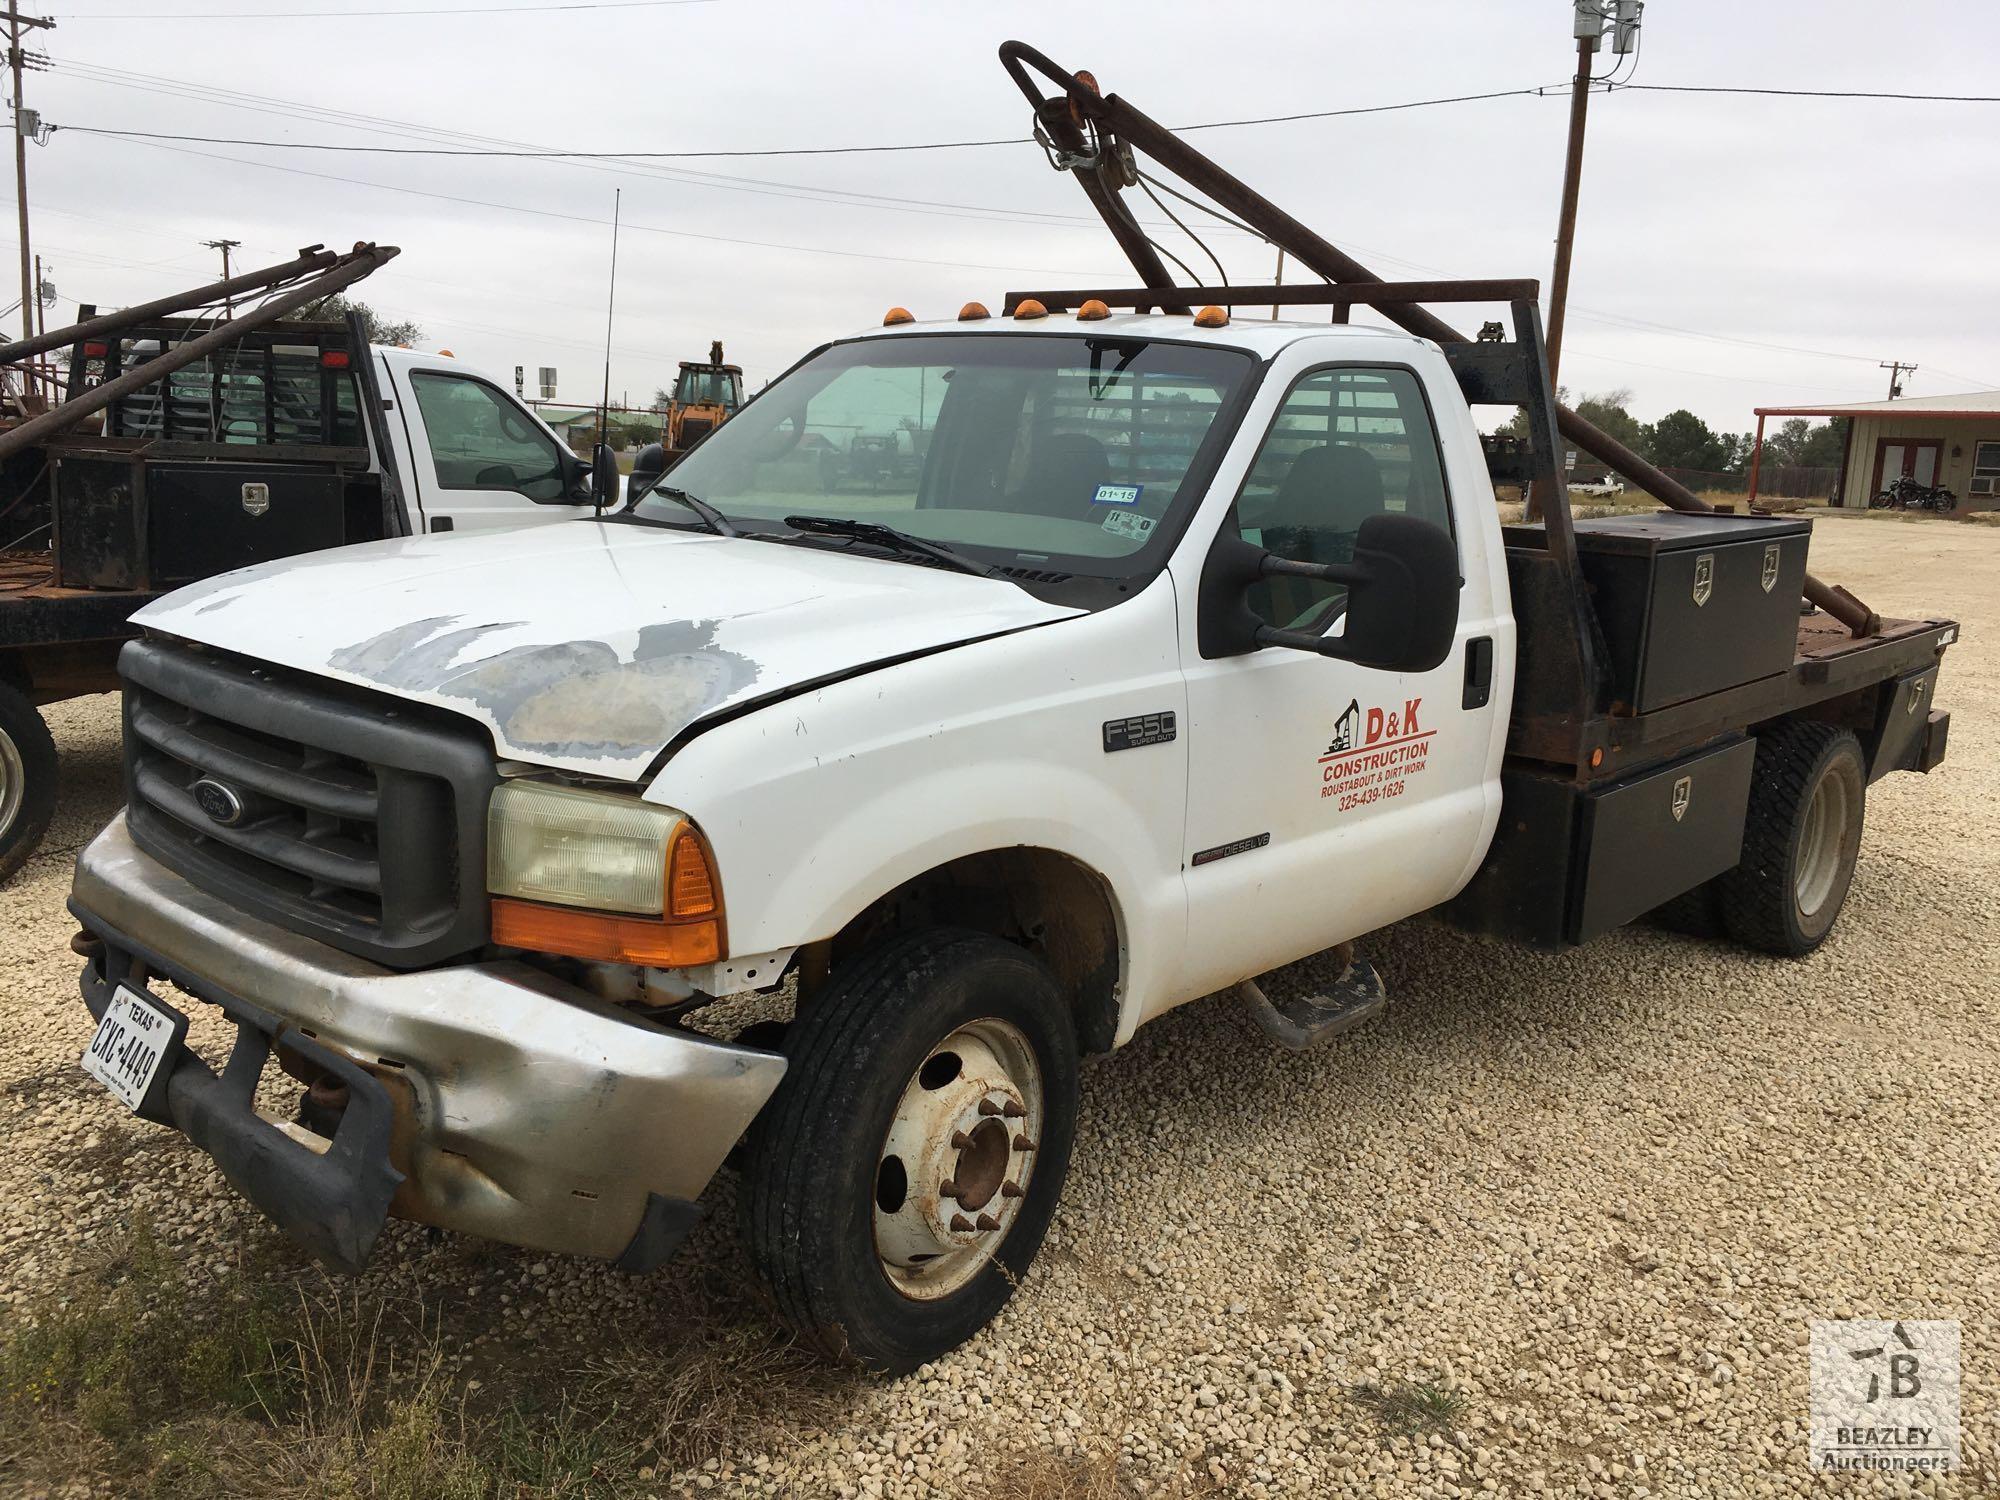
[[1402, 597], [603, 477], [648, 466]]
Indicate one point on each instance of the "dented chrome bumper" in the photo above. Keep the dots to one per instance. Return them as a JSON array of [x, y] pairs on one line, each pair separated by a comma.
[[518, 1108]]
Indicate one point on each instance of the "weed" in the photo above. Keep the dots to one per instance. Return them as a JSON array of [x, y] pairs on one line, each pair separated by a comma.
[[1417, 1406]]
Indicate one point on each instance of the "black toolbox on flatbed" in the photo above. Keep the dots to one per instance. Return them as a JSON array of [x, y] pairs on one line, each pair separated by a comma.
[[1690, 604]]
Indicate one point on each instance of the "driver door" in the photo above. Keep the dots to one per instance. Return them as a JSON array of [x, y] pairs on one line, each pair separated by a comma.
[[483, 462], [1327, 798]]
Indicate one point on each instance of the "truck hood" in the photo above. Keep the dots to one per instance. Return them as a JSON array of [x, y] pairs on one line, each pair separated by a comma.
[[586, 645]]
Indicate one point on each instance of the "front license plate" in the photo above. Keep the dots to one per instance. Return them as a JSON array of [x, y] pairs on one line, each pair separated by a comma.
[[132, 1041]]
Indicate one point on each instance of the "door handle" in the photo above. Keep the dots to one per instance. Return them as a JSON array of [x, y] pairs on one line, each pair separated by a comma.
[[1478, 672]]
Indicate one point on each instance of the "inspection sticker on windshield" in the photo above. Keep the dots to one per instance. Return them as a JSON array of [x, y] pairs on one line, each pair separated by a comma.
[[1128, 524], [1117, 494]]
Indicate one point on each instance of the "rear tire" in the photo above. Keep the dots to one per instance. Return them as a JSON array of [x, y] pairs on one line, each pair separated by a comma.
[[911, 1049], [1800, 839], [27, 780]]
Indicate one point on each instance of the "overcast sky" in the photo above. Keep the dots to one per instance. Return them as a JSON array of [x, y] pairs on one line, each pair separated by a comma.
[[1712, 225]]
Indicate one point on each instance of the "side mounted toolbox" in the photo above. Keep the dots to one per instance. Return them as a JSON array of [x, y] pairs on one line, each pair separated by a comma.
[[1568, 863]]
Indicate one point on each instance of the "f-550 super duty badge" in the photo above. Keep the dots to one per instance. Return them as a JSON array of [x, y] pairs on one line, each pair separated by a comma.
[[1140, 729]]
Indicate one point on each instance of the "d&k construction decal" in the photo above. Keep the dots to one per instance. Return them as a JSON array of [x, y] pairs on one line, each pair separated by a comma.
[[1373, 753]]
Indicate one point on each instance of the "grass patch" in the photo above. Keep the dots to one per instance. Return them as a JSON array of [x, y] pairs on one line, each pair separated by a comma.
[[1091, 1473], [1413, 1407], [141, 1380]]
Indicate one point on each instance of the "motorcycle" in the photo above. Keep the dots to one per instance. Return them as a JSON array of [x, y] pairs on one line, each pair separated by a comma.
[[1908, 493]]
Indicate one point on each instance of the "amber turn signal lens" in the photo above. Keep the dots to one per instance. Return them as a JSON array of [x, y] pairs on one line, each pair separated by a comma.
[[1091, 311], [599, 935], [972, 312], [690, 878], [1211, 317], [897, 315], [1028, 308]]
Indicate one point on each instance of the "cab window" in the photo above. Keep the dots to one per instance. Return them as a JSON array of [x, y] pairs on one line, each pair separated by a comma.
[[1347, 443], [480, 440]]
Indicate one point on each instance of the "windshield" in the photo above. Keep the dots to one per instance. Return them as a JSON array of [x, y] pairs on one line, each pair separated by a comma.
[[1031, 447], [701, 387]]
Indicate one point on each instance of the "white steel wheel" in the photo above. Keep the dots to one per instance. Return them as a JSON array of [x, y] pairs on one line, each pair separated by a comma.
[[13, 781], [957, 1160], [1820, 865], [903, 1175], [27, 779]]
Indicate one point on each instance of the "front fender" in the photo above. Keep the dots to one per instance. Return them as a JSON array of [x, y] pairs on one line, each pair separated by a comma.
[[818, 805]]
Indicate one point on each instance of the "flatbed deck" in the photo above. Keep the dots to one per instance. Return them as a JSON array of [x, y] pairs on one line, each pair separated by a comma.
[[37, 611], [1829, 662]]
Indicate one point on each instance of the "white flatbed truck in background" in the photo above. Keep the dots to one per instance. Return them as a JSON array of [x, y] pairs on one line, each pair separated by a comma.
[[1192, 646]]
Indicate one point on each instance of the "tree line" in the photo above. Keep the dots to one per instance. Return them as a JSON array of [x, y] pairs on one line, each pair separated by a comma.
[[1681, 440]]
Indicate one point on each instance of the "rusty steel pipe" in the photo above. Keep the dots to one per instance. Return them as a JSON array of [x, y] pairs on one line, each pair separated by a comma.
[[312, 258], [1123, 121], [347, 270]]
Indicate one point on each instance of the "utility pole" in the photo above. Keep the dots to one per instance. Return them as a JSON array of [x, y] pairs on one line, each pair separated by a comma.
[[225, 246], [1588, 29], [24, 126], [1897, 370]]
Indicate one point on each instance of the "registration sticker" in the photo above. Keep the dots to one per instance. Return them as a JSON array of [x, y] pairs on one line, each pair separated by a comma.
[[1128, 524], [1117, 494], [134, 1038]]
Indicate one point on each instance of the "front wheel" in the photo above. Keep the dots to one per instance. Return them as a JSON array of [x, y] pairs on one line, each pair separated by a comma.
[[27, 780], [902, 1177]]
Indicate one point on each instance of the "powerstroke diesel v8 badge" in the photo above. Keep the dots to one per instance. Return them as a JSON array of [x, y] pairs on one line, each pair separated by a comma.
[[1373, 752]]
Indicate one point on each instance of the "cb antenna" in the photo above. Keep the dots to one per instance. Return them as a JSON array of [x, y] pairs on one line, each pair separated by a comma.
[[610, 306]]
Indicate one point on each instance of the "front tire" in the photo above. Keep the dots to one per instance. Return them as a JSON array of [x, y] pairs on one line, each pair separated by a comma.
[[27, 780], [902, 1177], [1800, 839]]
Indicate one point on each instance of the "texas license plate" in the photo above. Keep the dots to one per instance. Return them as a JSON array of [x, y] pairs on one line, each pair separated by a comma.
[[132, 1041]]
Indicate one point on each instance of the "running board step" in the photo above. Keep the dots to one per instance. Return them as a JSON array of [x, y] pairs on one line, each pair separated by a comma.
[[1304, 1021]]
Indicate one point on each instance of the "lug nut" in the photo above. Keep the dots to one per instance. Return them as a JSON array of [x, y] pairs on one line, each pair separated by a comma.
[[989, 1107], [988, 1223], [1022, 1143], [1013, 1109], [1010, 1189], [960, 1139], [949, 1187], [960, 1224]]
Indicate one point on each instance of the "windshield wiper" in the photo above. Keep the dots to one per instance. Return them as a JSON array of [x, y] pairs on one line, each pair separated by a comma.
[[890, 537], [712, 518]]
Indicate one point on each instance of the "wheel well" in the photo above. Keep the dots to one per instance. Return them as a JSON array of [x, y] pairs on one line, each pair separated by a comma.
[[1052, 905]]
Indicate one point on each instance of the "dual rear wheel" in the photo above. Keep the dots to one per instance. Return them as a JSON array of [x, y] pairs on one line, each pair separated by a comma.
[[1801, 838]]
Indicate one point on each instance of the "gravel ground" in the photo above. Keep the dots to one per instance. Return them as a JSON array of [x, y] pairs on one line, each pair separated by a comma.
[[1594, 1198]]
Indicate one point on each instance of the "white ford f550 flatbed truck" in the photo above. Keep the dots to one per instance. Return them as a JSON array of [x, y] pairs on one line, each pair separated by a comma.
[[1180, 648]]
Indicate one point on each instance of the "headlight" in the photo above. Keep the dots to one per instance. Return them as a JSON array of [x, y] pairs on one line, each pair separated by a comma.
[[578, 848], [643, 871]]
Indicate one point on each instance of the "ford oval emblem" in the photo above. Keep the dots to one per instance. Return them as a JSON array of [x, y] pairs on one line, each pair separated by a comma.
[[222, 802]]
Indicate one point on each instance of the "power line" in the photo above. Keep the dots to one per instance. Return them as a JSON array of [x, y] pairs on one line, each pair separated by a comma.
[[1697, 88], [1011, 140], [550, 213], [297, 15], [658, 172]]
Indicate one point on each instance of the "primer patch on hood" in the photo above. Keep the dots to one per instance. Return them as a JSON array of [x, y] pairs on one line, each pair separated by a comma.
[[590, 646], [537, 697]]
